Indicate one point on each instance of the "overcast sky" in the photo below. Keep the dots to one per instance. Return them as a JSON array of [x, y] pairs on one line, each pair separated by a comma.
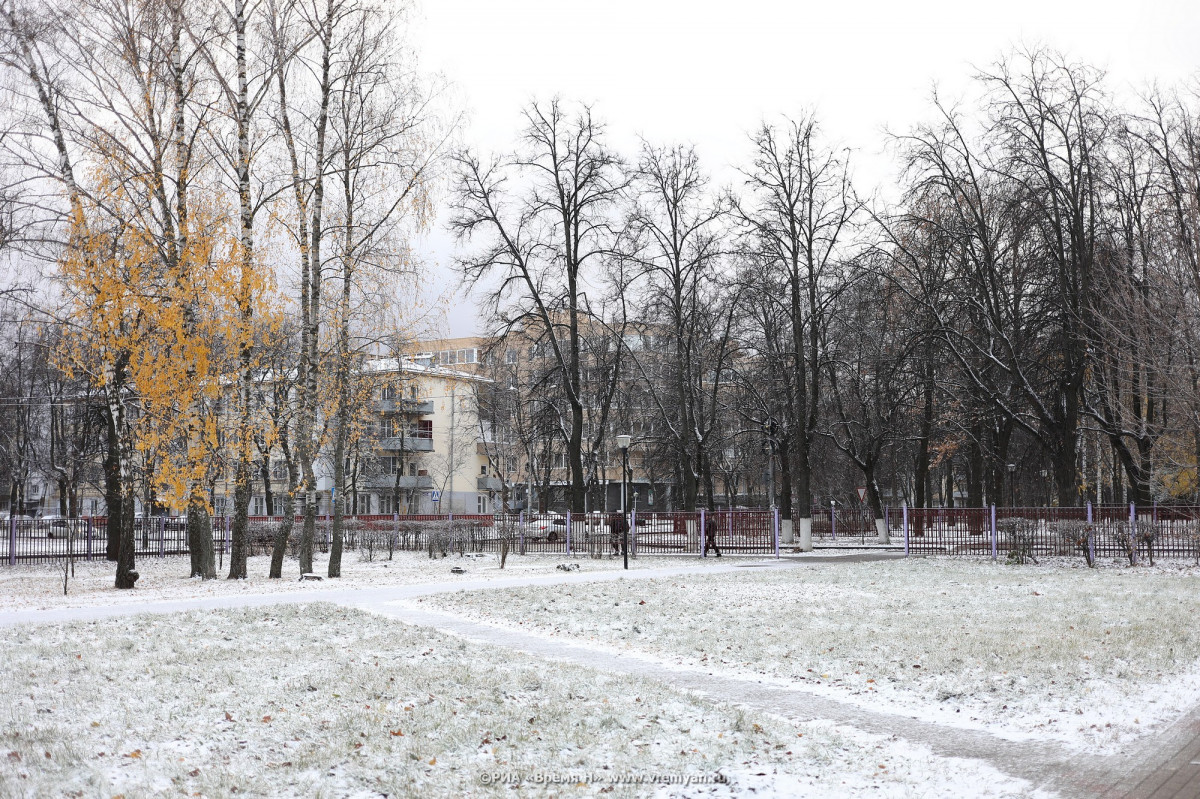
[[705, 73]]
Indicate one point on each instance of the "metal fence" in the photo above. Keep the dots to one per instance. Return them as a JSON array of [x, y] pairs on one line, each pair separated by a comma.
[[740, 531], [1121, 531]]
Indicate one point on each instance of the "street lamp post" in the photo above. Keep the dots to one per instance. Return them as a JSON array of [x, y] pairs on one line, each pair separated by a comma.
[[623, 444], [1012, 485], [768, 430]]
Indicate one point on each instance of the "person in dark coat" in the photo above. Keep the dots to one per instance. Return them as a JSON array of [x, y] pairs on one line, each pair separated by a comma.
[[710, 535], [617, 527]]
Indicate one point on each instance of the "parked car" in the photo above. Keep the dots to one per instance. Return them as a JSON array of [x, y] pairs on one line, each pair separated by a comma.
[[56, 526], [549, 525], [654, 524]]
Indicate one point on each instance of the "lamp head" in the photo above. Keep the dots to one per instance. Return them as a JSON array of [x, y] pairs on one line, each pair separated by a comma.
[[623, 442]]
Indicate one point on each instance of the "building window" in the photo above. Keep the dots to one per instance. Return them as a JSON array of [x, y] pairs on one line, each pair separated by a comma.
[[481, 504], [278, 470], [483, 470], [510, 356], [388, 392], [257, 506]]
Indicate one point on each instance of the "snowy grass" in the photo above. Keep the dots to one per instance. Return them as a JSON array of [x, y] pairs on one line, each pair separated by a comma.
[[318, 700], [39, 585], [1088, 657]]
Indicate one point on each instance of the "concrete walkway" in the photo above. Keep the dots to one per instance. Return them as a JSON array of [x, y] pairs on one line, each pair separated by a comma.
[[1038, 763], [1162, 766]]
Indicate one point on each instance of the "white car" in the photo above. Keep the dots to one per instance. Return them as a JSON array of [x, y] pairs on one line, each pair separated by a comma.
[[551, 526], [654, 524], [55, 526]]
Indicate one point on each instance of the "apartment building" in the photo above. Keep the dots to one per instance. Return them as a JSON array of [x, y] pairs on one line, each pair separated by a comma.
[[522, 437], [421, 452]]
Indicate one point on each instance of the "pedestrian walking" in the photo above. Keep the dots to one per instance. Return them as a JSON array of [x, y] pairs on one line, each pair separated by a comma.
[[710, 535]]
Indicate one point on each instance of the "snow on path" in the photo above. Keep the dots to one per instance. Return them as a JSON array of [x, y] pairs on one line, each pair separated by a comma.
[[316, 592], [1038, 762]]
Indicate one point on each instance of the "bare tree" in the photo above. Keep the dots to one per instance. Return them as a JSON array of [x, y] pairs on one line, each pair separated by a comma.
[[544, 215], [798, 211]]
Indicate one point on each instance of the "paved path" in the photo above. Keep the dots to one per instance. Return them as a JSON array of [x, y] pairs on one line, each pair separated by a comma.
[[1033, 761], [1162, 766], [364, 596]]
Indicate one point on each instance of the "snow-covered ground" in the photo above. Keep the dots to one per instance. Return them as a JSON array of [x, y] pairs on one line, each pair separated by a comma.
[[1055, 651], [321, 700], [40, 585]]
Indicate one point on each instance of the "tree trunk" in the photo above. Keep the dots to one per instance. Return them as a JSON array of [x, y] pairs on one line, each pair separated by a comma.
[[876, 504], [285, 528], [113, 491], [238, 534], [268, 496], [200, 538], [975, 469]]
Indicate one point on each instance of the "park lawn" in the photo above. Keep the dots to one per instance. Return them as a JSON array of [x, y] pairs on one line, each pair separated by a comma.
[[320, 700], [39, 586], [1056, 651]]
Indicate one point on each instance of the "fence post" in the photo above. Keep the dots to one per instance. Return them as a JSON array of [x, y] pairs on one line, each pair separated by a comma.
[[994, 536], [89, 535], [703, 535], [12, 539], [521, 531], [833, 521], [904, 521], [162, 533], [1132, 534], [775, 526], [568, 534], [226, 544]]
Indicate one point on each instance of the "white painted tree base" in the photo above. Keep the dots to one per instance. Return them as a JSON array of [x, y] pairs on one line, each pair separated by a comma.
[[805, 541]]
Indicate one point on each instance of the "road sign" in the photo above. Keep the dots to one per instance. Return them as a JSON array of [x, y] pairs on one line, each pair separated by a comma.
[[862, 494], [435, 496]]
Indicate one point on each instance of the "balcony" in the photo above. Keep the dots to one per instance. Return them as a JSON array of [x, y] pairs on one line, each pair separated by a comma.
[[407, 483], [406, 443], [489, 484], [413, 406]]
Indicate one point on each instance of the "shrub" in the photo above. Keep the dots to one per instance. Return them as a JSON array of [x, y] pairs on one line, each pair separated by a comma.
[[1073, 536], [1019, 534]]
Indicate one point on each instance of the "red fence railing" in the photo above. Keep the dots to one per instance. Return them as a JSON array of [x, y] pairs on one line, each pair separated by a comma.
[[741, 531], [1117, 531]]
